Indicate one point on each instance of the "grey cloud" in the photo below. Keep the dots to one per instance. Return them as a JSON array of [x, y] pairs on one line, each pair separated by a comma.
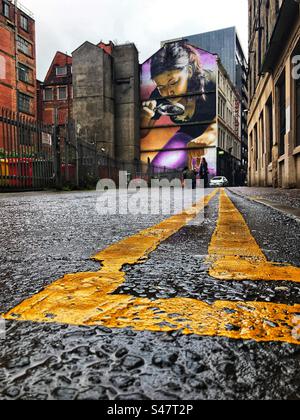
[[65, 24]]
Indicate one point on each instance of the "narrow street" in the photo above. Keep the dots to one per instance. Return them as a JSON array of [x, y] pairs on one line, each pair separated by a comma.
[[164, 311]]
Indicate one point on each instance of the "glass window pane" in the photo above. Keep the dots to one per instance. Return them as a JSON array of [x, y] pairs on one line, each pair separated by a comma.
[[62, 93], [48, 95], [25, 74], [61, 71], [24, 46], [24, 22], [6, 10], [24, 103]]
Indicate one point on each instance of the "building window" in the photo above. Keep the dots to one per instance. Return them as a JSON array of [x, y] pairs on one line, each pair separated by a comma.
[[256, 147], [24, 103], [25, 74], [6, 10], [281, 90], [269, 109], [24, 23], [62, 93], [222, 108], [261, 145], [61, 71], [24, 46], [48, 94]]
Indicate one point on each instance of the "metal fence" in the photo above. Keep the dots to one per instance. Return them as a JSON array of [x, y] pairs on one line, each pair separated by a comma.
[[110, 168], [34, 157], [26, 153]]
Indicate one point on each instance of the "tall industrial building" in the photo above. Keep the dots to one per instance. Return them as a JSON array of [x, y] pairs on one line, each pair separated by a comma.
[[106, 98], [274, 84], [226, 44], [95, 95]]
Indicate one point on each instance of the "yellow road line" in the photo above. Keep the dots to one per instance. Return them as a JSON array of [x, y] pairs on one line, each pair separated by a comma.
[[136, 249], [129, 251], [235, 254], [77, 301], [86, 299]]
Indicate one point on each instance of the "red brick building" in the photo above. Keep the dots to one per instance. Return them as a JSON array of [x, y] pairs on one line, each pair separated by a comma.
[[55, 94], [108, 48], [17, 59]]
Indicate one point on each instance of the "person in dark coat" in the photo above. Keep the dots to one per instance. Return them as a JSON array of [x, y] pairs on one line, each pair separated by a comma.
[[203, 172]]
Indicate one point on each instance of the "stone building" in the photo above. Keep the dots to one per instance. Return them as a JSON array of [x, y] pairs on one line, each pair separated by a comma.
[[274, 88], [106, 98], [230, 144], [127, 102]]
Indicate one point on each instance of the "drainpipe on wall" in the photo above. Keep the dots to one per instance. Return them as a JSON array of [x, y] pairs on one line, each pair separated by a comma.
[[16, 53]]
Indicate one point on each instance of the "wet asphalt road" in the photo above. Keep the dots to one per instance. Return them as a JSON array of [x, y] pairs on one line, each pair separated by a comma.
[[288, 198], [45, 236]]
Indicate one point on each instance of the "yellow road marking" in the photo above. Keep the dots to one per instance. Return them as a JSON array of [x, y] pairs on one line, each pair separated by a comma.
[[129, 251], [235, 253], [79, 301], [86, 299]]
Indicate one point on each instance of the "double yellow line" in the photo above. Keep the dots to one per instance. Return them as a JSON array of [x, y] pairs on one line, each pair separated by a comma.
[[87, 299], [235, 253]]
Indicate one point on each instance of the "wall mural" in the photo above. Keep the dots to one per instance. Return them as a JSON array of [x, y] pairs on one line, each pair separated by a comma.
[[178, 117]]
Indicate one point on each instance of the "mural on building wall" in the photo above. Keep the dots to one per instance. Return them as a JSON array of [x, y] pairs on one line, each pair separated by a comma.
[[178, 118]]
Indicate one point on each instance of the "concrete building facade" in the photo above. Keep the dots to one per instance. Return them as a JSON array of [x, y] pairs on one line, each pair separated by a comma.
[[127, 101], [273, 121], [93, 106], [106, 98], [17, 59]]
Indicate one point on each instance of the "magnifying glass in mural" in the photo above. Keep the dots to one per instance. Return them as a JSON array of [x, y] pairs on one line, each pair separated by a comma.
[[170, 110]]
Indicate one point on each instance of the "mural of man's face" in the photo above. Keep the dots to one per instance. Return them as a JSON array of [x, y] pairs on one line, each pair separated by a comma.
[[173, 83]]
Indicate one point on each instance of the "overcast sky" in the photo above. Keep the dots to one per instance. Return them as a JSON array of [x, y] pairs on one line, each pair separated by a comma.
[[65, 24]]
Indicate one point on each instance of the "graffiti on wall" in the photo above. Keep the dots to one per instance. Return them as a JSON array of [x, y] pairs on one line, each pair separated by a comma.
[[178, 116]]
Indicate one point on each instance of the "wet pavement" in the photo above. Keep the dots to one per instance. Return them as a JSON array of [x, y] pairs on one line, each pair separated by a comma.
[[282, 197], [45, 236]]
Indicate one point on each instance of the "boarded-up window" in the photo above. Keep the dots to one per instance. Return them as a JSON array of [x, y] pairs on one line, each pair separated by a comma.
[[2, 68]]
